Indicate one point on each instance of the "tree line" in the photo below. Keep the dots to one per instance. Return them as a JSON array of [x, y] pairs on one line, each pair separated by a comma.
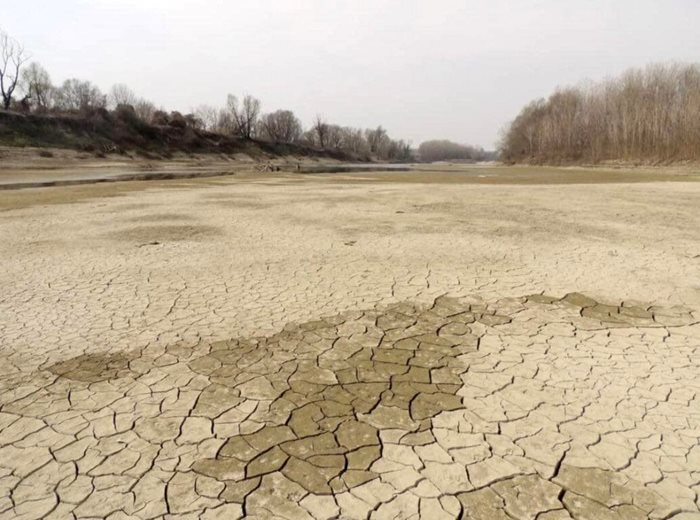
[[443, 150], [650, 114], [27, 87]]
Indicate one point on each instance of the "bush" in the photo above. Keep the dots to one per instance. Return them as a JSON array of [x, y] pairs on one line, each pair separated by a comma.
[[126, 113], [177, 120], [160, 118]]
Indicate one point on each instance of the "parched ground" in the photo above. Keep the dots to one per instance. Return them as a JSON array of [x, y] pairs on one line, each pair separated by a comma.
[[479, 343]]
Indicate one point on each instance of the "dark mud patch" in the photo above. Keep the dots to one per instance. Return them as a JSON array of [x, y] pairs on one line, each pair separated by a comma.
[[93, 368], [162, 217], [236, 200], [331, 387], [334, 385], [165, 233], [132, 206]]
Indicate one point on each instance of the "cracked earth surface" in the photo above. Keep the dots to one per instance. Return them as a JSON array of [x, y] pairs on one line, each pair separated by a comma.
[[314, 349]]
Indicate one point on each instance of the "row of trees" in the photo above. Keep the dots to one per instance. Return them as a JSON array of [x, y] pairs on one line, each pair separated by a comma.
[[645, 114], [443, 150], [73, 95], [241, 117]]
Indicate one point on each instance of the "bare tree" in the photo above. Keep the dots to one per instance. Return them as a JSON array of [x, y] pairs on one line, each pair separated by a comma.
[[224, 122], [36, 84], [144, 110], [281, 126], [354, 141], [403, 151], [75, 95], [320, 131], [378, 140], [443, 150], [245, 115], [208, 115], [646, 114], [12, 57], [335, 137], [121, 94]]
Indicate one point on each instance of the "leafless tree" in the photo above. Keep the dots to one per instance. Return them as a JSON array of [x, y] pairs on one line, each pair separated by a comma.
[[335, 138], [75, 95], [378, 140], [281, 126], [144, 110], [208, 115], [320, 131], [354, 141], [402, 150], [224, 122], [443, 150], [363, 144], [245, 115], [36, 84], [12, 57], [646, 114], [121, 94]]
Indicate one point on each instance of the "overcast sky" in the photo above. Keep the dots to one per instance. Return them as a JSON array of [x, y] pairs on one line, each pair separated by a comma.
[[423, 69]]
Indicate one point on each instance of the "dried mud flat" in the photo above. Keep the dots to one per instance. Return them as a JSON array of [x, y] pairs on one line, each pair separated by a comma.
[[333, 347]]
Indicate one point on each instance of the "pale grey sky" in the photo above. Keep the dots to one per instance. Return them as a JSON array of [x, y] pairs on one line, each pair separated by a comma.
[[424, 69]]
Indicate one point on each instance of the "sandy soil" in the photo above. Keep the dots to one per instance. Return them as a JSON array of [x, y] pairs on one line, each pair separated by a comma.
[[355, 345], [41, 167]]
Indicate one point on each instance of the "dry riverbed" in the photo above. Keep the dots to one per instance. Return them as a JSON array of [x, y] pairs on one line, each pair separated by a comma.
[[459, 341]]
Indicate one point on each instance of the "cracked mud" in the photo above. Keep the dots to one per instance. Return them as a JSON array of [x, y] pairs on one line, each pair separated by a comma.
[[311, 349], [518, 408]]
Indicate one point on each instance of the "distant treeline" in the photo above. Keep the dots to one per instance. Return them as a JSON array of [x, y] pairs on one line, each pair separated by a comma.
[[443, 150], [650, 114]]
